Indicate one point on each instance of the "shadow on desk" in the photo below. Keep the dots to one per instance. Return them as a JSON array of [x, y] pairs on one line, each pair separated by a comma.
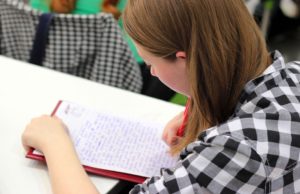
[[122, 187]]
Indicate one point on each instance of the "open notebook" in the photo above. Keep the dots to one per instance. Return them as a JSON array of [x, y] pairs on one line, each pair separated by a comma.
[[114, 145]]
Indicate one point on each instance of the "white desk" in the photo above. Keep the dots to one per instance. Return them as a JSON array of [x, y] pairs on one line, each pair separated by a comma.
[[27, 91]]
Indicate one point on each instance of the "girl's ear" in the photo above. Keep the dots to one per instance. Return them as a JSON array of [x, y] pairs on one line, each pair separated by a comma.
[[181, 55], [181, 58]]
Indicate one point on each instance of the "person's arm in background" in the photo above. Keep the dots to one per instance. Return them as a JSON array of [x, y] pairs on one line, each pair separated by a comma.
[[110, 6], [67, 176], [62, 6]]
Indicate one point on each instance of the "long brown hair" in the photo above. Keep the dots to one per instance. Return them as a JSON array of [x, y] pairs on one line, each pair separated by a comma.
[[67, 6], [224, 46]]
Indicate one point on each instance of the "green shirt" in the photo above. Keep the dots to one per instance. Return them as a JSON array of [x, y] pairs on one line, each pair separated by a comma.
[[90, 7]]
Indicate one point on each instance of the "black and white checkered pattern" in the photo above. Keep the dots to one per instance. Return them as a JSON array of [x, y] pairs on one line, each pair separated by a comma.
[[255, 151], [89, 46]]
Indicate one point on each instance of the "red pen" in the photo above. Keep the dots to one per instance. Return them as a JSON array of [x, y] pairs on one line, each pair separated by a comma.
[[180, 131]]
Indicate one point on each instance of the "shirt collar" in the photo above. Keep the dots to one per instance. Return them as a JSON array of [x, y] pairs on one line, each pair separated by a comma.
[[278, 63]]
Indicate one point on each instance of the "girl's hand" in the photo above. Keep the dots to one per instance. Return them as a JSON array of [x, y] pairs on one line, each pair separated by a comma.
[[44, 132], [169, 134], [49, 135]]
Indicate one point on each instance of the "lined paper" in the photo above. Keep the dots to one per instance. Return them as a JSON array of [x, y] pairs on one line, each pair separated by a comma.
[[116, 142]]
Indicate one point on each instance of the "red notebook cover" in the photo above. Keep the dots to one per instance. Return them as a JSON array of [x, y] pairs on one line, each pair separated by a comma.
[[102, 172]]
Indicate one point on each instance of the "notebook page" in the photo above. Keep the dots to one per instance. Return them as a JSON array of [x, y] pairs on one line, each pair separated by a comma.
[[114, 142]]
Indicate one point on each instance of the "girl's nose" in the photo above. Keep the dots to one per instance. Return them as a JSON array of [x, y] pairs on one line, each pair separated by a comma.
[[152, 71]]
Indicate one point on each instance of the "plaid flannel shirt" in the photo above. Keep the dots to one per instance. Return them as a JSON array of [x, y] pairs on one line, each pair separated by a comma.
[[255, 151], [88, 46]]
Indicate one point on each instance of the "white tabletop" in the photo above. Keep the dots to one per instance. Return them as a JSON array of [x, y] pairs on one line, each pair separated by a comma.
[[27, 91]]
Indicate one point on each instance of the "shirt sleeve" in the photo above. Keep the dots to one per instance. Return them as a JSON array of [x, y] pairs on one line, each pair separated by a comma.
[[221, 165]]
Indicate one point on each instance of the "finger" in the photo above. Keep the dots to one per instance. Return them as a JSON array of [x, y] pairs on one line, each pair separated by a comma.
[[165, 135], [62, 123], [24, 144], [174, 141], [66, 128], [38, 119], [26, 148], [57, 119]]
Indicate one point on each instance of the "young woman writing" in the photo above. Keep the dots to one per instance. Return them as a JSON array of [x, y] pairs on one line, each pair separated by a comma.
[[242, 128]]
